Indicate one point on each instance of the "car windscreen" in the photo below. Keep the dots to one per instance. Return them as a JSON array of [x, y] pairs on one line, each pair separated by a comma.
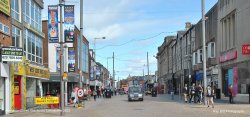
[[134, 89]]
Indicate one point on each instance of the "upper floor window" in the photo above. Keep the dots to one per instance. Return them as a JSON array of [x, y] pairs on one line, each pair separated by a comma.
[[16, 36], [15, 9], [32, 14], [5, 29]]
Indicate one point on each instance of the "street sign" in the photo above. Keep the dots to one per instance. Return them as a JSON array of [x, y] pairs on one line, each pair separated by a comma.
[[80, 93], [47, 100], [246, 49]]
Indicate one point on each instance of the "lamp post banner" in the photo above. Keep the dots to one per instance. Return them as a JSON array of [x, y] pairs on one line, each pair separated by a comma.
[[53, 24], [69, 23]]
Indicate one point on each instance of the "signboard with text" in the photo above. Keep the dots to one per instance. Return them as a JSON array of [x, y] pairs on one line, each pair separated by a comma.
[[5, 6], [47, 100], [228, 56], [37, 72], [69, 23], [53, 24], [246, 49], [12, 54]]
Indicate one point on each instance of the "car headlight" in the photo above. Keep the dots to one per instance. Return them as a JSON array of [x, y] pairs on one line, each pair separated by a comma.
[[140, 95], [131, 95]]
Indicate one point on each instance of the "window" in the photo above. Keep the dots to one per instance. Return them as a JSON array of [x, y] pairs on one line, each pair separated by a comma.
[[33, 43], [16, 37], [33, 15], [213, 50], [6, 30], [15, 10], [1, 27]]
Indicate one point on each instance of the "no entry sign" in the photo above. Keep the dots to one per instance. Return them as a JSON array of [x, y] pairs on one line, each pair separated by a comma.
[[80, 92]]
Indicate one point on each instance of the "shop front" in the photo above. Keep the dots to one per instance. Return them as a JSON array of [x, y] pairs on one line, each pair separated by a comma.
[[35, 75], [4, 89]]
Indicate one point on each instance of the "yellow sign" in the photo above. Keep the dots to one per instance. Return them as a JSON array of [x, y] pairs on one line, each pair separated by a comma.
[[47, 100], [38, 72], [5, 6], [65, 76], [124, 86]]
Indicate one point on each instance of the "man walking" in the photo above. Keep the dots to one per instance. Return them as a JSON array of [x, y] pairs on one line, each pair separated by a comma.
[[94, 94], [231, 94]]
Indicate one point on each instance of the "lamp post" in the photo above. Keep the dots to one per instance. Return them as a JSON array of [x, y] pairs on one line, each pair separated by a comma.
[[204, 48]]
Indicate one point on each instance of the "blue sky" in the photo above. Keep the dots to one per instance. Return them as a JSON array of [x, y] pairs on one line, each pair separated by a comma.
[[132, 28]]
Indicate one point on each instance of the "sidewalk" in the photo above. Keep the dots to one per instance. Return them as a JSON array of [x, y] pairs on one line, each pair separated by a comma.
[[239, 99], [43, 111]]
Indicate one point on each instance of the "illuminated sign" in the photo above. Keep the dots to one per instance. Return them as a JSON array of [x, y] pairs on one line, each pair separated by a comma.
[[47, 100]]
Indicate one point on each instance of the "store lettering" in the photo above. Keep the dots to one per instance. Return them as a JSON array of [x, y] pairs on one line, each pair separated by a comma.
[[228, 56]]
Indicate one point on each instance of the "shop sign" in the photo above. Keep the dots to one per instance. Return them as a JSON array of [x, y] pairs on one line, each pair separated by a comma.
[[38, 72], [5, 6], [228, 56], [12, 54], [46, 100], [246, 49]]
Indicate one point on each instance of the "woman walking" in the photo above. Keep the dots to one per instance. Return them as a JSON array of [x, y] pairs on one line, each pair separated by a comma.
[[210, 95]]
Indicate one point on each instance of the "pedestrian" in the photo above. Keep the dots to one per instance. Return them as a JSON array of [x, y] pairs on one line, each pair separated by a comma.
[[185, 93], [172, 92], [98, 93], [231, 94], [200, 91], [94, 94], [249, 93], [210, 95], [73, 97], [89, 93], [192, 93]]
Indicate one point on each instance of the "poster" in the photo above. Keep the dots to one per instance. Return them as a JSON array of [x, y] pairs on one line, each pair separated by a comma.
[[98, 73], [230, 77], [71, 59], [53, 24], [69, 23], [58, 59], [235, 80]]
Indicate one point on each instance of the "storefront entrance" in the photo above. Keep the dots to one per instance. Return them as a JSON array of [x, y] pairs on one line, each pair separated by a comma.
[[17, 93], [2, 96]]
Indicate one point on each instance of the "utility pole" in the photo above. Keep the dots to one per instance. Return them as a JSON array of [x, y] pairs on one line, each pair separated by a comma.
[[113, 68], [61, 59], [148, 65], [204, 49], [81, 34]]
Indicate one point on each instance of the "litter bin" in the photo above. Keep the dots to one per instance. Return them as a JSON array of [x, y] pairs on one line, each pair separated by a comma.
[[217, 92]]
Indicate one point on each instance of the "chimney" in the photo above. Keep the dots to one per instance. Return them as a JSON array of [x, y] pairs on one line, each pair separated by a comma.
[[188, 25]]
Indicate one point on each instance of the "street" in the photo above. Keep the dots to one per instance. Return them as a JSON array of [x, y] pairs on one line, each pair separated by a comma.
[[161, 106]]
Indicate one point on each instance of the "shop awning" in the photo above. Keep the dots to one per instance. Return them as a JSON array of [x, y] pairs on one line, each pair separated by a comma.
[[72, 77]]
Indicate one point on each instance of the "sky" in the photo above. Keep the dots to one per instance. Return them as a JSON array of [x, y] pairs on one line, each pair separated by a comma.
[[132, 28]]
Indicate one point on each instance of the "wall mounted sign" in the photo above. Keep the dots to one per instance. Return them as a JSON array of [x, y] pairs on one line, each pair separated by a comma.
[[12, 54], [246, 49], [228, 56]]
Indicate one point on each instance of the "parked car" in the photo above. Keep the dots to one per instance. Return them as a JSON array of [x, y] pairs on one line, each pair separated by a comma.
[[135, 93]]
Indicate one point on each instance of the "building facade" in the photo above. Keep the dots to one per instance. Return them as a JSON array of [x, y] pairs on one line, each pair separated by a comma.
[[27, 76], [233, 28], [71, 63], [5, 41]]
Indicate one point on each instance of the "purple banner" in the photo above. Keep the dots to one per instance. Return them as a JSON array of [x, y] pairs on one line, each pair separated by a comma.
[[53, 24], [69, 23]]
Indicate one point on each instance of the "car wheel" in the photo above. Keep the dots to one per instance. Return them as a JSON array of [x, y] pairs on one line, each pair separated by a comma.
[[142, 99]]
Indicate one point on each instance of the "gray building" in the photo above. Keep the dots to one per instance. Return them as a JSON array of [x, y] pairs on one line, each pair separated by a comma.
[[233, 32], [211, 41]]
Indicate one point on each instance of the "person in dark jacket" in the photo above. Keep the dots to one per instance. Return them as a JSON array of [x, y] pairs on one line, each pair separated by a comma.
[[192, 93], [185, 93], [249, 92], [231, 94]]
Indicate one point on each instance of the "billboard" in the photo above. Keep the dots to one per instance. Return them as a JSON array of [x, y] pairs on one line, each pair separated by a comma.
[[71, 59], [92, 73], [58, 51], [69, 23], [12, 54], [53, 24]]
